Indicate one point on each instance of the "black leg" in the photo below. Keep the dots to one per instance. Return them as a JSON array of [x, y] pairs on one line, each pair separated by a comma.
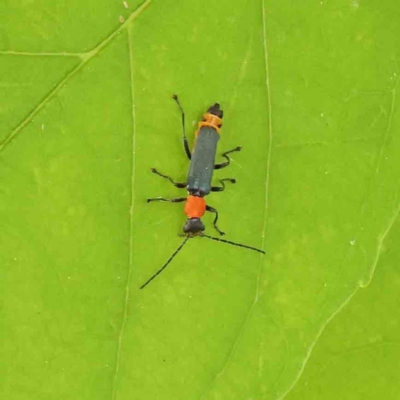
[[222, 188], [177, 184], [185, 141], [213, 210], [177, 200], [228, 160]]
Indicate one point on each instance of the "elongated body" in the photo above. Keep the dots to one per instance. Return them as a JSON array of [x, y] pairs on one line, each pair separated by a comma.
[[199, 179], [202, 163], [202, 166]]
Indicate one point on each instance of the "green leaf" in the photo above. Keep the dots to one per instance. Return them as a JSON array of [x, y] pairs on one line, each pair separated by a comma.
[[309, 92], [357, 356]]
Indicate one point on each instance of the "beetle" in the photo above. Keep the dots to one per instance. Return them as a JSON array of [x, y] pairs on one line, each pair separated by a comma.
[[199, 178]]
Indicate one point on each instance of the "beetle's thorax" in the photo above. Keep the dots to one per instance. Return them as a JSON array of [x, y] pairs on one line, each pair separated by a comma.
[[195, 206]]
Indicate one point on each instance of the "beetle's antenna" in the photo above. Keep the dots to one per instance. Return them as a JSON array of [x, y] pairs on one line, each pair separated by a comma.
[[166, 264], [232, 243]]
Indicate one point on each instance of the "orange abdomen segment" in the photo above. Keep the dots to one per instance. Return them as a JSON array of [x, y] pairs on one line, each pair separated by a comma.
[[195, 207]]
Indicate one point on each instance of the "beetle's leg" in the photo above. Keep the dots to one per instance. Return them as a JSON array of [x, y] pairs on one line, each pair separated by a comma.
[[228, 160], [213, 210], [222, 187], [177, 184], [185, 141], [177, 200]]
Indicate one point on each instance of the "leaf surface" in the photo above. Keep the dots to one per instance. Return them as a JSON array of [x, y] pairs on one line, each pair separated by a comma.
[[308, 91]]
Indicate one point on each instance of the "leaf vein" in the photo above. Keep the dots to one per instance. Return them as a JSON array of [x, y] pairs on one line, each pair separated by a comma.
[[257, 291], [85, 59], [129, 278]]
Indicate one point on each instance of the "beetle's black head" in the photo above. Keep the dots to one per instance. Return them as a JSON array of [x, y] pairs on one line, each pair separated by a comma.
[[193, 226], [215, 110]]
